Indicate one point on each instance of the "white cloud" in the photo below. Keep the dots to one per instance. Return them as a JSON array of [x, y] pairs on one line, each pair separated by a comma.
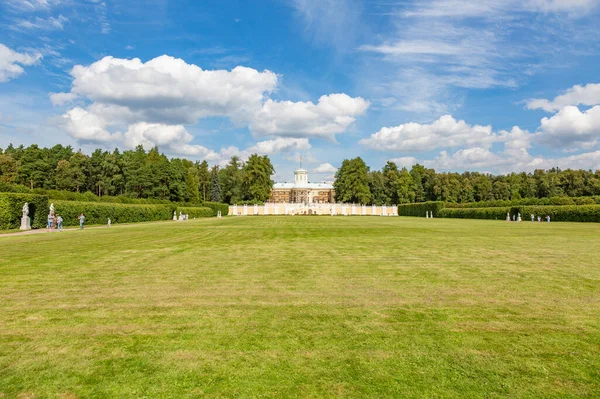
[[62, 98], [404, 162], [571, 127], [439, 47], [166, 91], [444, 132], [279, 145], [577, 95], [332, 114], [32, 5], [330, 22], [325, 168], [87, 127], [10, 60], [475, 158], [50, 23]]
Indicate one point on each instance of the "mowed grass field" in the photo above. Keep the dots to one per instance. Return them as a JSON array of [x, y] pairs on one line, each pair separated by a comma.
[[303, 307]]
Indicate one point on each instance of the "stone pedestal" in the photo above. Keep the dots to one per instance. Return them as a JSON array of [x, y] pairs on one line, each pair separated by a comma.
[[25, 223]]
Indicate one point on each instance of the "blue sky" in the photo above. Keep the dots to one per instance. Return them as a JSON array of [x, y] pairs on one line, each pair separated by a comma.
[[495, 86]]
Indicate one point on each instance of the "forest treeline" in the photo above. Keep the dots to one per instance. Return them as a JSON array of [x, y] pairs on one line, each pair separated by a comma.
[[355, 182], [152, 175], [136, 173]]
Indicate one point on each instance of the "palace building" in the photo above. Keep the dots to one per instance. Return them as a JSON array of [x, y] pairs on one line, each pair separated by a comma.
[[301, 191]]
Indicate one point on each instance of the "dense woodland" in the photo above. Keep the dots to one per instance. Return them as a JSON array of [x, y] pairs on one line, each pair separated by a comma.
[[151, 175], [136, 173]]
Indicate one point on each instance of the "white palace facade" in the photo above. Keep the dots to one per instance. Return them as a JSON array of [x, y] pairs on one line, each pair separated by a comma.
[[301, 191]]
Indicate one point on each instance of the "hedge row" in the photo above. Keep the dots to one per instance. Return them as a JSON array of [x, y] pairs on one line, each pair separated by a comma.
[[568, 213], [528, 201], [98, 213], [216, 206], [420, 208], [195, 212], [475, 213], [11, 210]]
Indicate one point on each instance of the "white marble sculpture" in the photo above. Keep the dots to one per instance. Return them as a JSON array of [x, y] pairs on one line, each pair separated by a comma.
[[508, 216], [519, 217], [426, 214], [25, 219], [174, 215], [52, 209]]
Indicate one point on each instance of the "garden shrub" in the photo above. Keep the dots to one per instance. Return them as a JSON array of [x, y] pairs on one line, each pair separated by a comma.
[[419, 208], [498, 213], [196, 212], [11, 210], [564, 213], [99, 212], [216, 206]]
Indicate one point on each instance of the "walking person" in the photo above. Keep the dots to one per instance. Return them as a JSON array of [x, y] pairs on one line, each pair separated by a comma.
[[59, 222], [50, 221], [532, 217], [81, 221]]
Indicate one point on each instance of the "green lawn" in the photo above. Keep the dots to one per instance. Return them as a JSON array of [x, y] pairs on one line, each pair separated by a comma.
[[303, 307]]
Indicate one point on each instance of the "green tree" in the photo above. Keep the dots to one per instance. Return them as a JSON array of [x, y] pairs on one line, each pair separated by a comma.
[[257, 183], [204, 178], [215, 190], [232, 181], [352, 182]]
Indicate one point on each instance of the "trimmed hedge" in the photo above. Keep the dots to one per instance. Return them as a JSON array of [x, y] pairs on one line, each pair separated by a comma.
[[11, 210], [216, 206], [475, 213], [567, 213], [419, 208], [528, 201], [98, 213], [196, 212]]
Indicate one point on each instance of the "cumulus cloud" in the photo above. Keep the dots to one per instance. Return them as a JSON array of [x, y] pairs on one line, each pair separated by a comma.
[[280, 144], [87, 127], [577, 95], [404, 162], [325, 168], [571, 127], [333, 114], [444, 132], [168, 91], [11, 61]]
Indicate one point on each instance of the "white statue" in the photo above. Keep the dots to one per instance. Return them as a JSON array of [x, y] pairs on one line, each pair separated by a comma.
[[52, 209], [25, 220], [109, 222], [426, 214], [174, 215], [508, 216], [519, 217]]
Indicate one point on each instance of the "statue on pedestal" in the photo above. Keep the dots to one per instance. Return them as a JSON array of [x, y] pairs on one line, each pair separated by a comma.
[[52, 209], [25, 220]]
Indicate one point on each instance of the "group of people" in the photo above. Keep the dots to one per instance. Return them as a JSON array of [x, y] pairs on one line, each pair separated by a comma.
[[539, 218], [517, 217], [56, 221]]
